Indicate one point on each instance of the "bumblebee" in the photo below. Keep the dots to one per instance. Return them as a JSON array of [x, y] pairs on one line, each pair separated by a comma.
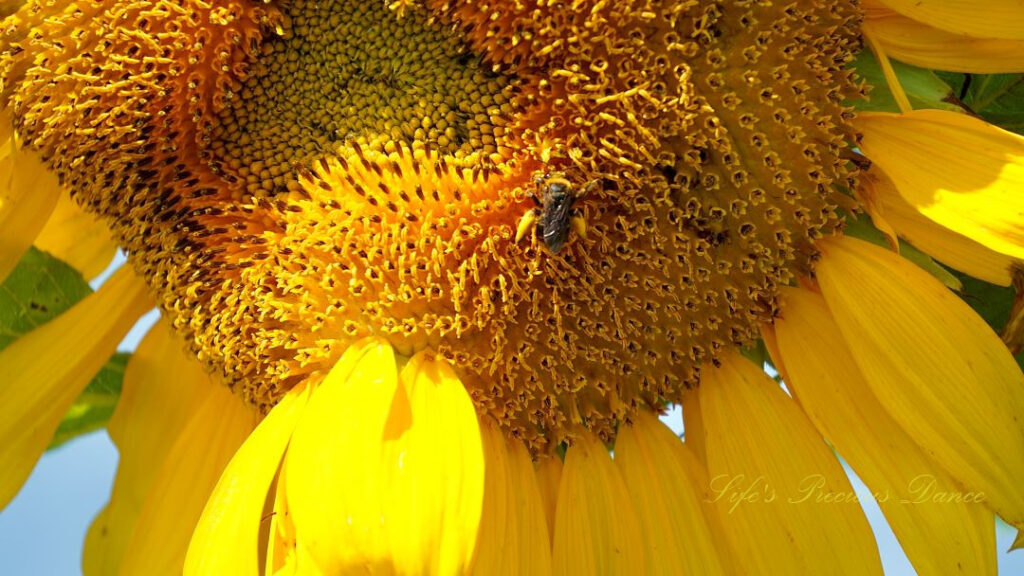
[[554, 215]]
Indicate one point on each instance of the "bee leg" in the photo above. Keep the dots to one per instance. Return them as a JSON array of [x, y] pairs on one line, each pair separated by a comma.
[[578, 223], [527, 223]]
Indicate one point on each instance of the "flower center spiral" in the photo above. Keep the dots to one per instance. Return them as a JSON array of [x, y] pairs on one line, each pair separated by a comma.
[[354, 72], [363, 173]]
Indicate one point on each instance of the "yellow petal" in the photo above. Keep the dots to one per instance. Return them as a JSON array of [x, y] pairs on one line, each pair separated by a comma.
[[693, 431], [78, 238], [304, 564], [1018, 542], [226, 538], [434, 473], [387, 477], [786, 502], [162, 387], [879, 218], [184, 482], [497, 527], [333, 461], [282, 554], [958, 171], [988, 19], [28, 193], [922, 45], [943, 244], [676, 536], [1013, 330], [45, 370], [534, 551], [697, 475], [941, 529], [513, 530], [935, 366], [596, 528], [549, 477]]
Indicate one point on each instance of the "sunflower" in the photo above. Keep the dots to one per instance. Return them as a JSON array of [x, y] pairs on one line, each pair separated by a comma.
[[429, 272]]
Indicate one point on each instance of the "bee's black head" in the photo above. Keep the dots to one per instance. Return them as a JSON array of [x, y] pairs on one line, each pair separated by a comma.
[[558, 186]]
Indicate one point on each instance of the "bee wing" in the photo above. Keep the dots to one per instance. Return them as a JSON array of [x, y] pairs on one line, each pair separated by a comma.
[[556, 221]]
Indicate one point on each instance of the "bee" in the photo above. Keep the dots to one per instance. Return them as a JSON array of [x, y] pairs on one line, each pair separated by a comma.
[[554, 215]]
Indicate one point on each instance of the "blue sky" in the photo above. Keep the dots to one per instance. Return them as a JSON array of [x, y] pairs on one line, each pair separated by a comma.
[[42, 530]]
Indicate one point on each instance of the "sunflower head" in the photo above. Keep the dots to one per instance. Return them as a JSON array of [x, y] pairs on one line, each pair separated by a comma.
[[297, 176]]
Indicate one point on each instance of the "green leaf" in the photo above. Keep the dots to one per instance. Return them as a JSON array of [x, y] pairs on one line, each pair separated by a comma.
[[93, 408], [39, 289], [956, 80], [923, 87], [998, 98], [991, 302], [757, 353]]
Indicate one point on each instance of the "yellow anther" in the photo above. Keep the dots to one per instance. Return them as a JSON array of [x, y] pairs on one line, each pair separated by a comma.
[[578, 224], [527, 223]]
